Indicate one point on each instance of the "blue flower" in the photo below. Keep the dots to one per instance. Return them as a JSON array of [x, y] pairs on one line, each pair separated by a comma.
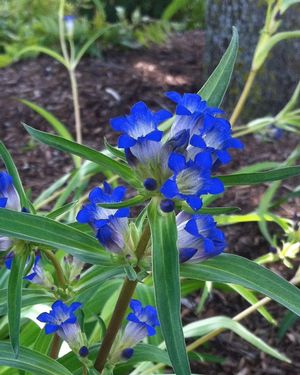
[[216, 137], [9, 259], [139, 126], [191, 179], [9, 198], [198, 237], [62, 320], [141, 323], [110, 225], [206, 128], [38, 275]]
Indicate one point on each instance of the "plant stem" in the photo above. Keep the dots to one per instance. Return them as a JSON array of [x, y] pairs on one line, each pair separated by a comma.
[[55, 347], [62, 39], [75, 96], [241, 102], [57, 266], [125, 296]]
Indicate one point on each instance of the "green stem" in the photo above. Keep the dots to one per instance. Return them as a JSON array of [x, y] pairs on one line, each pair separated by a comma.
[[57, 266], [62, 32], [242, 100], [75, 96], [125, 296]]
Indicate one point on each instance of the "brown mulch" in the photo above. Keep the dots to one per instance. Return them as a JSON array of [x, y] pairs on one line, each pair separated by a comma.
[[107, 89]]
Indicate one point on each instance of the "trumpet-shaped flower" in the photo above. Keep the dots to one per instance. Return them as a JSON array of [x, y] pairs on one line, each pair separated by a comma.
[[9, 198], [141, 323], [38, 275], [198, 237], [110, 225], [62, 321], [191, 179]]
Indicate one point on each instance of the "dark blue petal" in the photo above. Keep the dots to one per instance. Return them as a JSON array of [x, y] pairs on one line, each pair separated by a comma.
[[186, 254], [182, 111], [127, 353], [155, 135], [118, 194], [194, 202], [203, 160], [125, 141], [197, 141], [74, 306], [51, 328], [119, 124], [133, 318], [83, 216], [123, 212], [151, 330], [174, 96], [176, 162], [169, 189], [3, 202], [70, 320], [223, 156], [135, 306], [216, 186], [191, 227], [101, 223], [45, 318]]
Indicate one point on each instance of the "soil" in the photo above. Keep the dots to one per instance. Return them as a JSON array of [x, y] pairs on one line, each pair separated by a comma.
[[108, 88]]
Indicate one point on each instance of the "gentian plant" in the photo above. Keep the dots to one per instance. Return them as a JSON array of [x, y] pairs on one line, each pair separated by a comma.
[[101, 277]]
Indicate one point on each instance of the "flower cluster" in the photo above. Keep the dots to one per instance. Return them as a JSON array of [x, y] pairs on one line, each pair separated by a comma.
[[110, 225], [178, 164], [9, 198], [141, 323], [62, 321]]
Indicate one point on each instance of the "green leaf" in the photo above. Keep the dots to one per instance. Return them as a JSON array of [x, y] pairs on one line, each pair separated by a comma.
[[286, 323], [14, 296], [29, 360], [86, 153], [165, 260], [135, 201], [285, 4], [210, 210], [260, 177], [12, 170], [249, 296], [205, 326], [232, 269], [215, 87], [49, 232], [29, 297], [62, 210], [47, 51], [57, 125], [116, 152]]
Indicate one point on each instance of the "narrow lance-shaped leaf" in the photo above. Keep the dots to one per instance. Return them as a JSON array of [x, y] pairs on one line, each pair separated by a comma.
[[165, 260], [14, 297], [260, 177], [30, 360], [42, 230], [86, 153], [215, 87], [57, 125], [233, 269]]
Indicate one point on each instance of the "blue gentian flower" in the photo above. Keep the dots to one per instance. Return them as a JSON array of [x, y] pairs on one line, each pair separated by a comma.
[[9, 259], [9, 198], [62, 321], [110, 225], [141, 323], [208, 130], [69, 23], [38, 275], [198, 237], [139, 126], [191, 179]]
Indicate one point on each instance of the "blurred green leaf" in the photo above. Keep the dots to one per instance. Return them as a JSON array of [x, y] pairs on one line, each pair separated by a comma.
[[29, 360], [57, 125], [86, 153], [42, 230], [232, 269], [215, 87]]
